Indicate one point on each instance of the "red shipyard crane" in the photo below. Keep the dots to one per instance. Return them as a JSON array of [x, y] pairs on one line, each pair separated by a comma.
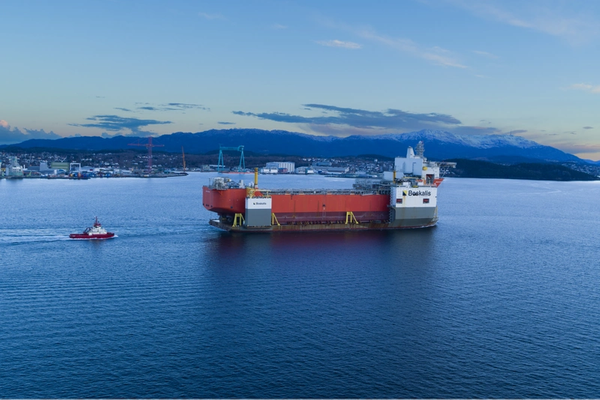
[[149, 146]]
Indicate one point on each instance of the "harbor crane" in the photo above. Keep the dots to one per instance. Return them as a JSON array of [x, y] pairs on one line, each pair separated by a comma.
[[221, 163], [149, 146]]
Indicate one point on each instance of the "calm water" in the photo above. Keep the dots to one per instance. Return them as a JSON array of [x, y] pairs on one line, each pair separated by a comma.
[[501, 299]]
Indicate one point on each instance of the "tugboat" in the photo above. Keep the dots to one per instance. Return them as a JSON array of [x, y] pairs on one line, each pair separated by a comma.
[[93, 232]]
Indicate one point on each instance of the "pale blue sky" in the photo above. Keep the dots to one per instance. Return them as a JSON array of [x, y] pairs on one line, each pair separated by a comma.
[[320, 67]]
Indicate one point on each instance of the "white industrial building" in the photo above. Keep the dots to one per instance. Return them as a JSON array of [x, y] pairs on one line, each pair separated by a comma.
[[305, 170], [13, 169], [277, 167], [266, 170]]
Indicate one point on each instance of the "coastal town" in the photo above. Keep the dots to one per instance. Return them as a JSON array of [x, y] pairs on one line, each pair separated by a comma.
[[85, 165], [80, 164]]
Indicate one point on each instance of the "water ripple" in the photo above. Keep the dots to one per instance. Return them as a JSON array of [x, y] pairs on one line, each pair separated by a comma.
[[501, 299]]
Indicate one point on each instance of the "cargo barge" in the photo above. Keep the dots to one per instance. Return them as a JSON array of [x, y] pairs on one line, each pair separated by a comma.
[[405, 198]]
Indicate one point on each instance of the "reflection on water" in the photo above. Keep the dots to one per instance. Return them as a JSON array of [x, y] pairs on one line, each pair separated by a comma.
[[417, 242], [499, 300]]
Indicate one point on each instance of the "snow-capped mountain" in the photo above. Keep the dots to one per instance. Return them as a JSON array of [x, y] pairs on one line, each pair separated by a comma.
[[439, 145], [477, 141]]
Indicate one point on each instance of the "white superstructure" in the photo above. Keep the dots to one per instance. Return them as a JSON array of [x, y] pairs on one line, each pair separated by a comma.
[[13, 169]]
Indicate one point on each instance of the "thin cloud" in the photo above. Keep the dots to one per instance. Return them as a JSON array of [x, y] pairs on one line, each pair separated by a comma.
[[339, 43], [114, 123], [226, 123], [341, 121], [476, 130], [486, 54], [544, 16], [588, 127], [585, 87], [278, 26], [185, 106], [436, 55], [210, 16], [369, 121], [337, 130], [10, 135], [577, 148], [166, 107]]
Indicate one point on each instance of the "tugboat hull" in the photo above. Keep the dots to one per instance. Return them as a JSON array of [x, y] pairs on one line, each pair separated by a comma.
[[85, 236], [96, 232]]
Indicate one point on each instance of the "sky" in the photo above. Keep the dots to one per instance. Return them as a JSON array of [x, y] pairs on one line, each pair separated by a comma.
[[327, 67]]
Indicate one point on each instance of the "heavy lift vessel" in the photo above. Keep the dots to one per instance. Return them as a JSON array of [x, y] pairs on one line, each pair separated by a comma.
[[405, 198]]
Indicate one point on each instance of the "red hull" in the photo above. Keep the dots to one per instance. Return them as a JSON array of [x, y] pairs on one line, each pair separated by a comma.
[[86, 236], [330, 207], [300, 207], [228, 201]]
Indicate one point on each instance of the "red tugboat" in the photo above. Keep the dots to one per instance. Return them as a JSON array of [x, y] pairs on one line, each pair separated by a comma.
[[93, 232]]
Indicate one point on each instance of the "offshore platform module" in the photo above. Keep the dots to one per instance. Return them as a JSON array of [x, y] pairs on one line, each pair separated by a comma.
[[405, 198]]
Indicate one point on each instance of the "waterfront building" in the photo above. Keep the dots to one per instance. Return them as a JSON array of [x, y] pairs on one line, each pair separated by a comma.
[[281, 167], [13, 169]]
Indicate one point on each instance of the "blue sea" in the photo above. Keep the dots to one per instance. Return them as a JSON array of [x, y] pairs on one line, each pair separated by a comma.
[[500, 300]]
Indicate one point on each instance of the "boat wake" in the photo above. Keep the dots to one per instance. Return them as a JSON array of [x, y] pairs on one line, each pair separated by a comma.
[[32, 236], [28, 239]]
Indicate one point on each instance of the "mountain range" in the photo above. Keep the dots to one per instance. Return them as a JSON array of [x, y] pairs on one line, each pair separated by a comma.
[[439, 145]]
